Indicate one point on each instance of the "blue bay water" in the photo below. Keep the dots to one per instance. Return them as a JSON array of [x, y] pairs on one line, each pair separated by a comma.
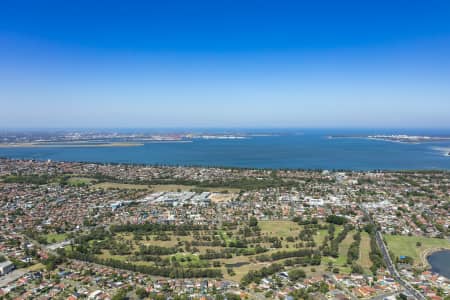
[[308, 150], [440, 262]]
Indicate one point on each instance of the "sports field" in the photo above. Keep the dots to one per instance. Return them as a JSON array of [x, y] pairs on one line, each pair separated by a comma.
[[414, 246]]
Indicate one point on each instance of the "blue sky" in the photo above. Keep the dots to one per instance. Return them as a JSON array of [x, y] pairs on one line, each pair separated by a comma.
[[225, 64]]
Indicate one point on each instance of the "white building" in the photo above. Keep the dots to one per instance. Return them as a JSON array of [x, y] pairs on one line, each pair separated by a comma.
[[6, 267]]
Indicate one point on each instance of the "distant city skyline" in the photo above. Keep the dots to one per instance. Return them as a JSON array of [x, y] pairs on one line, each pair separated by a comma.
[[224, 64]]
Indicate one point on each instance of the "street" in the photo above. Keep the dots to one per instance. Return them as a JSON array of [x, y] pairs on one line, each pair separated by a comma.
[[393, 271]]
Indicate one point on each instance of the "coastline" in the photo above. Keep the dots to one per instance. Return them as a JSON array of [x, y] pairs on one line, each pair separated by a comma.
[[413, 141], [70, 145], [425, 254], [88, 145], [444, 150]]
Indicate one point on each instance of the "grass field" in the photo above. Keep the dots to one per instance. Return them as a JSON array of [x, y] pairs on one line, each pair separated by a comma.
[[187, 259], [179, 187], [80, 180], [341, 261], [107, 255], [55, 237], [407, 246], [160, 187], [364, 250], [320, 236], [343, 249], [224, 236], [124, 186], [279, 228], [36, 267]]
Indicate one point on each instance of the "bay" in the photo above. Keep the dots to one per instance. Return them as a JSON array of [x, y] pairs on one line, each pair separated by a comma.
[[307, 149], [440, 262]]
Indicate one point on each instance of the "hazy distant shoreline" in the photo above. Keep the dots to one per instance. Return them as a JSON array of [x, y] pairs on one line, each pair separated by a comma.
[[87, 144], [407, 139], [69, 145]]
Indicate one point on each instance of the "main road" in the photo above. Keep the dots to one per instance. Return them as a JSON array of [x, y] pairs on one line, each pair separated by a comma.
[[390, 265], [393, 271]]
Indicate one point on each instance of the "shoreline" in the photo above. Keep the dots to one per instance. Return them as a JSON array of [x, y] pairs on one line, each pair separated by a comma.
[[70, 145], [88, 145], [414, 141], [425, 254]]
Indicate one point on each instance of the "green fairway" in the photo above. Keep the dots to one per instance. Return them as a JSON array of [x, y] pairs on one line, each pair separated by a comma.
[[343, 248], [80, 180], [188, 259], [364, 250], [160, 187], [120, 186], [279, 228], [228, 249], [341, 260], [320, 236]]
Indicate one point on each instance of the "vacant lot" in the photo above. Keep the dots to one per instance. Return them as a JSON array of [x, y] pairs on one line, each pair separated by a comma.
[[222, 197], [414, 246]]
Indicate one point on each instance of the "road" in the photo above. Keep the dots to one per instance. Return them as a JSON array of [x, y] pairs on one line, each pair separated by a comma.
[[10, 277], [393, 271], [384, 296], [390, 265], [55, 246]]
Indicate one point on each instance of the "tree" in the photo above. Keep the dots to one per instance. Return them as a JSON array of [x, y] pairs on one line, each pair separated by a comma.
[[141, 293], [253, 222], [338, 220], [120, 295], [296, 274], [357, 269]]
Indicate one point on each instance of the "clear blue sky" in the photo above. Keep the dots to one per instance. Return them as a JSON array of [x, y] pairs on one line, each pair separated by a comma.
[[225, 63]]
